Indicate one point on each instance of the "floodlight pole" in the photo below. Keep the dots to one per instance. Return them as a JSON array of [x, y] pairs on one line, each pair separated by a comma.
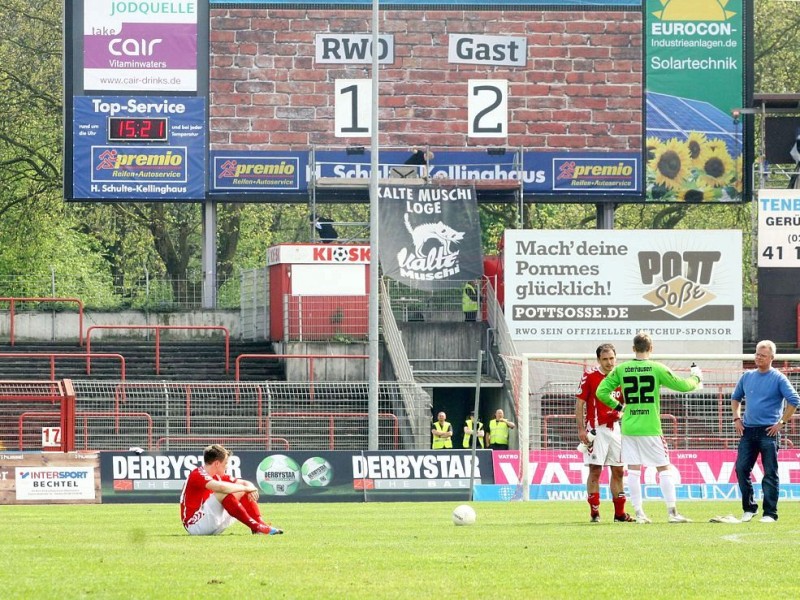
[[374, 291], [475, 419]]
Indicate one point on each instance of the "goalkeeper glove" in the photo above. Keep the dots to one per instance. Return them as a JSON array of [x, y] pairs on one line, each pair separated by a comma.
[[695, 370]]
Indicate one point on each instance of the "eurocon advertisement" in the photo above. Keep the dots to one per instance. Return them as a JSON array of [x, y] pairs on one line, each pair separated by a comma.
[[695, 65]]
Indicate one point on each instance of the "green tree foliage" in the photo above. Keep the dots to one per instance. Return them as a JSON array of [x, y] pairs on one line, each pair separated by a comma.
[[777, 53], [37, 235], [114, 245]]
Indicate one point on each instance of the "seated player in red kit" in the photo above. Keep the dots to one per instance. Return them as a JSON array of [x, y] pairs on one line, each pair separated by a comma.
[[211, 499]]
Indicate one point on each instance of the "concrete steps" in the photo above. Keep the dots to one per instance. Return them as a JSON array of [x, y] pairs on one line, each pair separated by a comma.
[[179, 360]]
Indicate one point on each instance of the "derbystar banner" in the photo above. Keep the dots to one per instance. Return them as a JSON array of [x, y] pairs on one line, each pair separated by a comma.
[[332, 476], [694, 54], [578, 285], [430, 235], [113, 157], [699, 475], [141, 46]]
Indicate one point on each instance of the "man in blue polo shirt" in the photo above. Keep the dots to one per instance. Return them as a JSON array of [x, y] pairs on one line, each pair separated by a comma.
[[764, 390]]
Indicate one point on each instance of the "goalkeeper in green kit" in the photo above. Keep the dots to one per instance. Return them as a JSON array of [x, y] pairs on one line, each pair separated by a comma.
[[642, 441]]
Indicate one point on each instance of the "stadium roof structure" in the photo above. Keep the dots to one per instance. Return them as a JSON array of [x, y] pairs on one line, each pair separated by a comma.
[[675, 117]]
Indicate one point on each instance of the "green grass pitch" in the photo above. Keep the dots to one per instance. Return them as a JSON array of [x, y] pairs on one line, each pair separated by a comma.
[[398, 550]]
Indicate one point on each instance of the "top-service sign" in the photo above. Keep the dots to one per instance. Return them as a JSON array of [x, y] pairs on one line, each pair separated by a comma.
[[565, 285]]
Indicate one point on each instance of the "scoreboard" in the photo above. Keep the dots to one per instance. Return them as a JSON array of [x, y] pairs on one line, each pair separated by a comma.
[[577, 100]]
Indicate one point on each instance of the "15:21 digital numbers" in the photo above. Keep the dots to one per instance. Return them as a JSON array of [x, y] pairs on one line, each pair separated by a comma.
[[139, 129]]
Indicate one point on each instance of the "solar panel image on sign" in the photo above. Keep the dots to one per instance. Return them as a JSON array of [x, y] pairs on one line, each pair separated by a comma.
[[674, 117]]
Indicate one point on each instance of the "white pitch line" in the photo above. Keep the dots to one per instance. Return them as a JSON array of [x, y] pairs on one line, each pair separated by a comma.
[[739, 538]]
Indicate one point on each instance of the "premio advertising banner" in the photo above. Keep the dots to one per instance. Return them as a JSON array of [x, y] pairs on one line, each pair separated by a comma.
[[578, 285], [694, 55], [430, 235]]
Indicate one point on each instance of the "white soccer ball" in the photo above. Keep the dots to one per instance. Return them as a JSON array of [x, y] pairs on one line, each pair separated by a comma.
[[278, 475], [340, 254], [317, 472], [464, 515]]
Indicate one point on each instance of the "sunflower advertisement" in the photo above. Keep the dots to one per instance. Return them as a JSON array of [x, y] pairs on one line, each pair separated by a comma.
[[694, 54]]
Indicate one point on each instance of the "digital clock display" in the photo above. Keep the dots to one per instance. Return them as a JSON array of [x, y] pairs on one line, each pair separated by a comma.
[[138, 129]]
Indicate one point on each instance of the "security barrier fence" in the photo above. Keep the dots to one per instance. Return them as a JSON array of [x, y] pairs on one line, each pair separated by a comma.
[[187, 416]]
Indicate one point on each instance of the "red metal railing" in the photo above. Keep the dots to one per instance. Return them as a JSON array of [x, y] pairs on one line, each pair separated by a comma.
[[12, 306], [31, 415], [77, 355], [224, 440], [120, 396], [60, 393], [332, 416], [158, 329]]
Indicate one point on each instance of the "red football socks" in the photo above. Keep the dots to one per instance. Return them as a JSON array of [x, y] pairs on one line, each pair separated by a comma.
[[251, 506], [594, 503], [238, 512], [619, 505]]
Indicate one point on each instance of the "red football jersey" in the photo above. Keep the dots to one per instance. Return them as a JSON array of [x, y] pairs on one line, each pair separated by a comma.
[[195, 492], [597, 413]]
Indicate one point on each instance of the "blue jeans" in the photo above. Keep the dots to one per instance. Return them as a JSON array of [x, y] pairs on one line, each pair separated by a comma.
[[755, 441]]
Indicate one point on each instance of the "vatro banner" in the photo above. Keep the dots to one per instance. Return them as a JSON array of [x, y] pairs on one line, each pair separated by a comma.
[[695, 65], [698, 475], [430, 235], [779, 228], [578, 285]]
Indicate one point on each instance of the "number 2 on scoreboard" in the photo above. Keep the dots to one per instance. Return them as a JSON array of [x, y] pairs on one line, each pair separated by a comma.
[[487, 108]]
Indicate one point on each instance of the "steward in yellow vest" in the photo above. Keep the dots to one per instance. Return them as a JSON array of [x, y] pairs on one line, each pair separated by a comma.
[[498, 431], [469, 301], [442, 433], [469, 430]]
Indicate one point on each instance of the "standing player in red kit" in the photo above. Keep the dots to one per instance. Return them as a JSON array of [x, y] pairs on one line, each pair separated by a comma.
[[600, 435], [211, 499]]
